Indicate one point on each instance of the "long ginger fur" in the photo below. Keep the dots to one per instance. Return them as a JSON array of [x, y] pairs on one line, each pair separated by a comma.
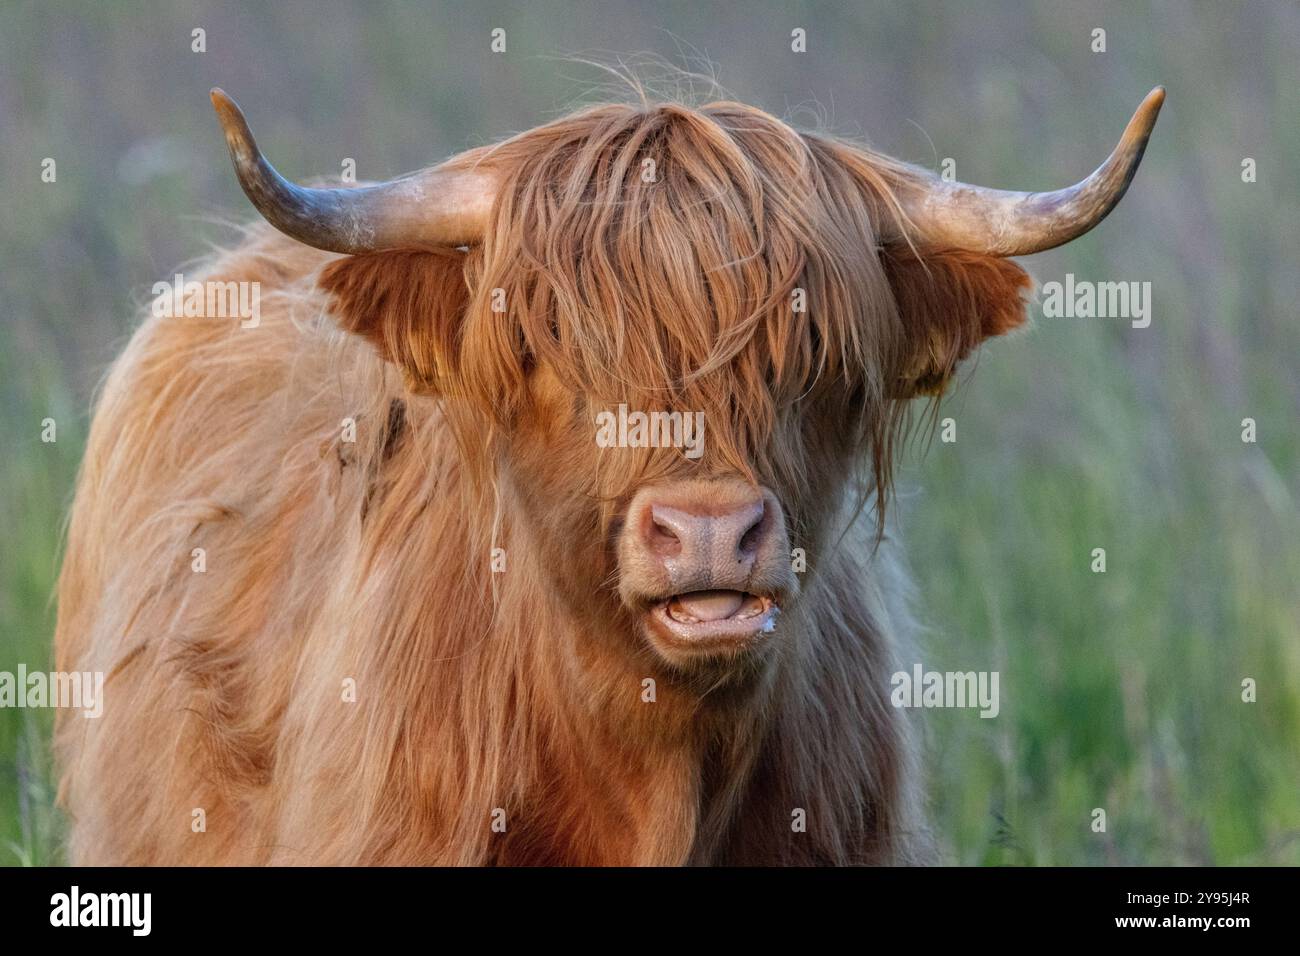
[[514, 696]]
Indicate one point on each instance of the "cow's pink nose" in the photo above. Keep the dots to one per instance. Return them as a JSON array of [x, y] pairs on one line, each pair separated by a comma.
[[703, 535], [720, 541], [707, 563]]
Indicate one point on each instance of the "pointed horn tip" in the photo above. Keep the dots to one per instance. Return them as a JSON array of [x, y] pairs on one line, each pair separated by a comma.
[[228, 111], [221, 101], [238, 136], [1147, 112]]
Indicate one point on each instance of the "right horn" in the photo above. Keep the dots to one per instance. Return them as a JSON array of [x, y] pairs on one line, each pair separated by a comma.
[[998, 222], [435, 207]]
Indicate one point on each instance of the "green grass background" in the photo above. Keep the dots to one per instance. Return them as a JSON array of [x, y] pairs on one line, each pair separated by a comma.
[[1119, 690]]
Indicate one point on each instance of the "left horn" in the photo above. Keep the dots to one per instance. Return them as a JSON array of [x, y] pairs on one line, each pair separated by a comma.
[[434, 207], [1002, 223]]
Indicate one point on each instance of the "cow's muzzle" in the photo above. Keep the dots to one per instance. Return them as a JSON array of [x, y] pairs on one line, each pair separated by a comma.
[[706, 565]]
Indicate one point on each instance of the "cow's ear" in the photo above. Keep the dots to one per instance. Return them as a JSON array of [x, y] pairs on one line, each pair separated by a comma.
[[408, 303], [949, 302]]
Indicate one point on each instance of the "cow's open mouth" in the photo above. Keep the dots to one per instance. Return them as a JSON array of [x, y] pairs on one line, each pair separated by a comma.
[[701, 619]]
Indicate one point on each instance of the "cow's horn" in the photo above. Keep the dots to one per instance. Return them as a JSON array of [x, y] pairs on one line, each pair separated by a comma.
[[434, 207], [1002, 223]]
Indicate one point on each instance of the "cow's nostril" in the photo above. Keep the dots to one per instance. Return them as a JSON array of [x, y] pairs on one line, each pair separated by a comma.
[[750, 540], [663, 539], [722, 536]]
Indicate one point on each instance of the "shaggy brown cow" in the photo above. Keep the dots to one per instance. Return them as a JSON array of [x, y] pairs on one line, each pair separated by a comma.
[[366, 588]]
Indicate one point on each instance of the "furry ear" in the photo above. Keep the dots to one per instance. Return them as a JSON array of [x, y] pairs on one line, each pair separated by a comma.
[[949, 302], [408, 303]]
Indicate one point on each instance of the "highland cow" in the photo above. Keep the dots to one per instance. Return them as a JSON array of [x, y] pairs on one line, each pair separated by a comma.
[[367, 589]]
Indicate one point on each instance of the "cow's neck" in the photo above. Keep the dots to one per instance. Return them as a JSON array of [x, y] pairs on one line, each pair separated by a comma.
[[637, 766]]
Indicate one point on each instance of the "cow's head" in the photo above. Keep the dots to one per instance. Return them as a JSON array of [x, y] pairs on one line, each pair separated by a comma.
[[789, 291]]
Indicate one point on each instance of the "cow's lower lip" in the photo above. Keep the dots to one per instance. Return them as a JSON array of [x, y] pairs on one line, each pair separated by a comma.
[[718, 619]]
